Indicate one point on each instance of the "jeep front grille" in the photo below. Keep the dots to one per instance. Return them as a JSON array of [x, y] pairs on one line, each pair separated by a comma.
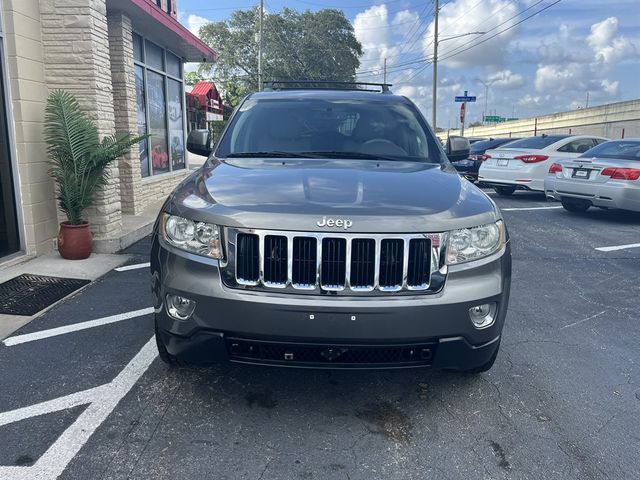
[[328, 262]]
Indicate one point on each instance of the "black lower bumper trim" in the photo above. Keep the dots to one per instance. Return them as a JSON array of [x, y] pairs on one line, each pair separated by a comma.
[[338, 355], [454, 353]]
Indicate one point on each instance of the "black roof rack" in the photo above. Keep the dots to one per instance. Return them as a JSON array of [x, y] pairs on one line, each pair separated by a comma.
[[325, 85]]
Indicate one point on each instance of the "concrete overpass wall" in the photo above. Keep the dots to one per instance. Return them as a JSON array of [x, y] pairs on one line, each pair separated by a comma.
[[606, 120]]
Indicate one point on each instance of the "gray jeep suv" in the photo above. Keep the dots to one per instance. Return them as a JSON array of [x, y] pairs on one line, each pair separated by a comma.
[[328, 229]]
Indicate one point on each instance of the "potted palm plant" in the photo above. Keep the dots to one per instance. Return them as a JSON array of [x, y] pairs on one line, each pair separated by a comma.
[[79, 161]]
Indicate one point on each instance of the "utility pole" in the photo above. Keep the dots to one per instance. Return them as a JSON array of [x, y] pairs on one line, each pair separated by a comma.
[[486, 96], [385, 71], [434, 99], [260, 21]]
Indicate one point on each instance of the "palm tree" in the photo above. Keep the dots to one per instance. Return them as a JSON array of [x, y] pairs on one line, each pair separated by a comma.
[[78, 158]]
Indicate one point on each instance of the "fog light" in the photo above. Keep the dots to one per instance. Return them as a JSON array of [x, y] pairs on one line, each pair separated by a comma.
[[179, 307], [483, 316]]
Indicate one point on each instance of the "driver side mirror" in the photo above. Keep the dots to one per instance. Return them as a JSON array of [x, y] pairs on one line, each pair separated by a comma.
[[200, 142], [457, 148]]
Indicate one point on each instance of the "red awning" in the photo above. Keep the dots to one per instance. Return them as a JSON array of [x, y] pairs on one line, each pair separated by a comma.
[[158, 26], [202, 88]]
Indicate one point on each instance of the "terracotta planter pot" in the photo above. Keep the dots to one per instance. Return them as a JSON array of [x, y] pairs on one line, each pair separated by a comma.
[[75, 241]]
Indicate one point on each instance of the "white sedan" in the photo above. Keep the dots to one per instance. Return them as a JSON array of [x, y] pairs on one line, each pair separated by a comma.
[[524, 164]]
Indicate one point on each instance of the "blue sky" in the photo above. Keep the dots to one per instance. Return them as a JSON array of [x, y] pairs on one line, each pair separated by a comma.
[[546, 64]]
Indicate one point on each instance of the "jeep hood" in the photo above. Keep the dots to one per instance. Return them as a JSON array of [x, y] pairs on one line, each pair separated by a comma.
[[296, 194]]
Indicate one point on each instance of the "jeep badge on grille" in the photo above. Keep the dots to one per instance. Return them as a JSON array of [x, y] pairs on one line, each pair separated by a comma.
[[339, 222]]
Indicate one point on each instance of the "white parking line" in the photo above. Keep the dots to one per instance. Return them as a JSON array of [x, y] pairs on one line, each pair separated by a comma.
[[53, 332], [137, 266], [618, 247], [102, 401], [528, 208]]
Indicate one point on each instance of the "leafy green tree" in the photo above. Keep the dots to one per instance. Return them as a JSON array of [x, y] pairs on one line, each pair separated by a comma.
[[191, 78], [296, 46]]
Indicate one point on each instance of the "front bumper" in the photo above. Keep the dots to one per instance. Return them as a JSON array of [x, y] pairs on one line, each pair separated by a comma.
[[316, 327], [526, 178], [610, 195]]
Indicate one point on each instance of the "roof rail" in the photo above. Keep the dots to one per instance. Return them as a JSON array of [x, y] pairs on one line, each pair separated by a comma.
[[325, 85]]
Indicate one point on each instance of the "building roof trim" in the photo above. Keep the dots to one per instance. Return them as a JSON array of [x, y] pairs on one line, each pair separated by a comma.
[[146, 17]]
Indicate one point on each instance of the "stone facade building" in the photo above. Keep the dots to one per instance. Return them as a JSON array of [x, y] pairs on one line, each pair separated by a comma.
[[123, 60]]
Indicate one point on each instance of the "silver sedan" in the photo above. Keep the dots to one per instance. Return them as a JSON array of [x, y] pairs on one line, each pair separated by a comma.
[[607, 176]]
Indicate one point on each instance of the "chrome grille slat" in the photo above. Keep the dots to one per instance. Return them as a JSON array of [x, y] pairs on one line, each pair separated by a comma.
[[303, 263], [336, 262], [276, 261], [392, 263]]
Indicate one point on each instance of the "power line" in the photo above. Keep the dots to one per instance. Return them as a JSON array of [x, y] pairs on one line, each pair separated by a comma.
[[459, 49], [447, 55], [450, 54]]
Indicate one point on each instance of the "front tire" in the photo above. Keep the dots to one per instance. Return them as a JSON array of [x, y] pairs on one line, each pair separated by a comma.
[[505, 191], [575, 205]]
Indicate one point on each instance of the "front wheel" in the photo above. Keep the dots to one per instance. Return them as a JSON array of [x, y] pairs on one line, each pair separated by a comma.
[[575, 205], [505, 191]]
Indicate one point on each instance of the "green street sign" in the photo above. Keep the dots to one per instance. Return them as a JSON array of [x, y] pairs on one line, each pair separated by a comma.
[[493, 118]]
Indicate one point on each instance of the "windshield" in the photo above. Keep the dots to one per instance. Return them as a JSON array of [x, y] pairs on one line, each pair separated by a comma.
[[536, 142], [323, 128], [627, 150]]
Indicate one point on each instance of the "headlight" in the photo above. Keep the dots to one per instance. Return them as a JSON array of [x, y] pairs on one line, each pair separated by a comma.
[[196, 237], [474, 243]]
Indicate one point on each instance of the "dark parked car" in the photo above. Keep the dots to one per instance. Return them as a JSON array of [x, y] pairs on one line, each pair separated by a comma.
[[469, 167], [328, 229]]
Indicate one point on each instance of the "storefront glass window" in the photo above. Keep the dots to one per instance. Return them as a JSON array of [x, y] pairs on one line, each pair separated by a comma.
[[176, 124], [154, 55], [141, 115], [160, 110], [137, 48], [174, 65], [158, 123]]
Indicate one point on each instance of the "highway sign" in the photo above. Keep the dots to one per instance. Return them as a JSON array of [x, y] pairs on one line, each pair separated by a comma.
[[466, 97], [497, 119]]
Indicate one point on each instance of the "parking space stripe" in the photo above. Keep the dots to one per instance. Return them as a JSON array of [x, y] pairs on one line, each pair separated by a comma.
[[54, 461], [57, 404], [53, 332], [618, 247], [137, 266], [529, 208]]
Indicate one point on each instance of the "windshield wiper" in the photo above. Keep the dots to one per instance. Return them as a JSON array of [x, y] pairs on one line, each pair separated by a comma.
[[356, 155], [270, 154]]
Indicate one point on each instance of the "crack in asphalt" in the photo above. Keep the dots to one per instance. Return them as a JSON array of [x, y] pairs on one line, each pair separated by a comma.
[[174, 395]]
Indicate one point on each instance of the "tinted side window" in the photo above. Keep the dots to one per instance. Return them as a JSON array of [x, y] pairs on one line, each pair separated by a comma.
[[578, 146]]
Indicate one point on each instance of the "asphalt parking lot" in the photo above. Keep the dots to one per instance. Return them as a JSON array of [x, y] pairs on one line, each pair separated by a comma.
[[84, 401]]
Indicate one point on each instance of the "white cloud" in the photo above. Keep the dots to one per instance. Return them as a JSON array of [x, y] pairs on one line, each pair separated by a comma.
[[194, 22], [506, 80], [609, 48], [406, 21], [574, 65], [610, 88], [373, 28], [460, 17]]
